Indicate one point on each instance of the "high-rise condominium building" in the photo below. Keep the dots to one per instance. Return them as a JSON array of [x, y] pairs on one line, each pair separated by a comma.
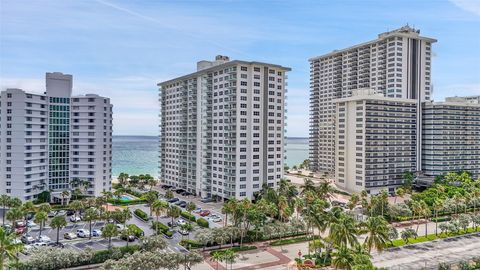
[[396, 65], [451, 137], [222, 128], [377, 140], [54, 141]]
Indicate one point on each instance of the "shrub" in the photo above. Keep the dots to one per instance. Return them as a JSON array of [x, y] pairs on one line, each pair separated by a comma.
[[160, 227], [191, 243], [135, 230], [131, 202], [188, 216], [442, 219], [141, 214], [202, 223]]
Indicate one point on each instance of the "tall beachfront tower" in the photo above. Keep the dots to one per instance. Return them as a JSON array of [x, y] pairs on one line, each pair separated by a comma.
[[395, 65], [222, 128], [54, 141]]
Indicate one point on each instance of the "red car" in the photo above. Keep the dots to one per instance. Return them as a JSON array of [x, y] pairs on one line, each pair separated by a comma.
[[204, 213], [20, 230]]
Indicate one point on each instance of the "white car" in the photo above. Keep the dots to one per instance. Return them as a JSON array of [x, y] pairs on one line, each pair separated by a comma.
[[83, 233], [97, 232], [39, 244], [183, 232], [214, 218], [44, 239], [197, 211], [61, 213], [120, 226], [31, 224], [181, 222], [75, 218]]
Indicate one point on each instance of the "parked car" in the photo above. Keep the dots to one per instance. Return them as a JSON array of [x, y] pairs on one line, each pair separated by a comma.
[[7, 228], [174, 224], [186, 193], [120, 226], [181, 221], [96, 233], [55, 244], [20, 230], [75, 219], [129, 238], [180, 202], [61, 213], [19, 223], [39, 244], [70, 212], [207, 200], [30, 224], [204, 213], [165, 186], [215, 219], [183, 204], [30, 215], [83, 233], [198, 210], [183, 232], [44, 239], [173, 200], [179, 191], [27, 239], [52, 214], [69, 236]]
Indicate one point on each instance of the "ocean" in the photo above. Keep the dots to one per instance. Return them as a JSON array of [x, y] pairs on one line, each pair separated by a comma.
[[139, 154]]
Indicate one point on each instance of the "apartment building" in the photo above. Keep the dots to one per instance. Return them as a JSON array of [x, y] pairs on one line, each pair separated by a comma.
[[396, 65], [54, 141], [375, 142], [451, 137], [222, 128]]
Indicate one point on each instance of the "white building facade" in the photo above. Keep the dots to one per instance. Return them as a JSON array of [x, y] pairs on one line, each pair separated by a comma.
[[54, 141], [222, 128], [396, 65]]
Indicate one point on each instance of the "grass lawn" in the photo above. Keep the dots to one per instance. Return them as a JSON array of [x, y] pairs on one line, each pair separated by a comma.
[[290, 241], [430, 237]]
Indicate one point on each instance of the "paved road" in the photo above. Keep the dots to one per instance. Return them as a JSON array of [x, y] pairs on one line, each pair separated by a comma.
[[429, 255]]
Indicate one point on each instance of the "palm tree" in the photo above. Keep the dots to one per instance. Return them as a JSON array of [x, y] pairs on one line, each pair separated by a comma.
[[58, 223], [64, 195], [159, 207], [152, 182], [122, 179], [217, 256], [229, 208], [8, 247], [190, 207], [4, 201], [344, 231], [308, 185], [91, 214], [354, 200], [437, 206], [400, 192], [299, 205], [14, 214], [476, 196], [109, 231], [173, 212], [40, 218], [150, 197], [376, 229], [325, 190], [343, 258], [188, 227], [76, 206], [169, 195], [126, 216], [27, 208]]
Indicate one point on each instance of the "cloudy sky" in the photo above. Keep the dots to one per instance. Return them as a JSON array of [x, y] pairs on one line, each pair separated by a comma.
[[122, 49]]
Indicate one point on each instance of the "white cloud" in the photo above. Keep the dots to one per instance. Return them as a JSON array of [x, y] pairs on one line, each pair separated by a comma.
[[472, 6]]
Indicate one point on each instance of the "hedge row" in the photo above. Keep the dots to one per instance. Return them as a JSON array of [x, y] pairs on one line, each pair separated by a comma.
[[188, 216], [158, 226], [191, 243], [131, 202], [141, 214], [203, 223], [135, 230]]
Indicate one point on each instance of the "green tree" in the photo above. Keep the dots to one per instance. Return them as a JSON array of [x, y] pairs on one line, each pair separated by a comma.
[[123, 179], [91, 214], [159, 207], [376, 229], [40, 218], [76, 206], [27, 208], [14, 214], [173, 212], [8, 247], [407, 234], [150, 197], [343, 258], [58, 223], [108, 232], [4, 201], [169, 195], [344, 231]]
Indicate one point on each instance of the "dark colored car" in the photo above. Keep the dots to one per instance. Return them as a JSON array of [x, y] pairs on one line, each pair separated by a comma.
[[180, 202], [207, 200], [165, 186], [70, 212], [173, 200], [170, 224], [204, 213], [179, 191], [183, 204], [129, 238], [186, 193]]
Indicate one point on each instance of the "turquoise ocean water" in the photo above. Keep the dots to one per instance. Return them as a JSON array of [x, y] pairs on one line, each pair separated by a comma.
[[139, 154]]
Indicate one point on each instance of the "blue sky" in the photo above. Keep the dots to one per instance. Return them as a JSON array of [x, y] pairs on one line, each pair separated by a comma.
[[121, 48]]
